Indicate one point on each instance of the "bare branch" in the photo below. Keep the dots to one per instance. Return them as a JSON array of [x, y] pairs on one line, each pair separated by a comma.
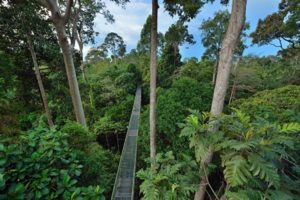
[[275, 45], [210, 184], [280, 43]]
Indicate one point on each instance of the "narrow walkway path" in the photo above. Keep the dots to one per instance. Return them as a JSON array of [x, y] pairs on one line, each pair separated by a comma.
[[124, 183]]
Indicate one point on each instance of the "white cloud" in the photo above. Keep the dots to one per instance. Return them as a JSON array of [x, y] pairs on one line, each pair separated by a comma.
[[85, 50], [129, 21]]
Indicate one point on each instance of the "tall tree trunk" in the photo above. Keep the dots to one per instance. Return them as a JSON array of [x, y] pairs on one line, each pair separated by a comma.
[[153, 66], [39, 80], [71, 74], [236, 23]]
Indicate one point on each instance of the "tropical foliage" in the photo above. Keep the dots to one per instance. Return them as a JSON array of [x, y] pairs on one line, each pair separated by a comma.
[[255, 142]]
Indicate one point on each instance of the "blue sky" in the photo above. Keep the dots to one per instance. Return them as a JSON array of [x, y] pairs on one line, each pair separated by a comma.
[[130, 20]]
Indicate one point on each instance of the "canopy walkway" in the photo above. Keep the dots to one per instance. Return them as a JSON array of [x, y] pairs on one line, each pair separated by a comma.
[[124, 183]]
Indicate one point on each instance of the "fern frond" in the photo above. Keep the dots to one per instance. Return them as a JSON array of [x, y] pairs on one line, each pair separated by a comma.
[[236, 171], [237, 145], [285, 141], [201, 147], [244, 119], [149, 190], [289, 128], [187, 131], [277, 194], [236, 196], [244, 194], [205, 116], [193, 120], [264, 170]]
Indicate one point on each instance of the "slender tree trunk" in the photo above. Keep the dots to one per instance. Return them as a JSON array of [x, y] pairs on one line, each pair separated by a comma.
[[80, 44], [236, 23], [153, 66], [39, 80], [71, 74], [119, 149], [232, 93], [215, 71]]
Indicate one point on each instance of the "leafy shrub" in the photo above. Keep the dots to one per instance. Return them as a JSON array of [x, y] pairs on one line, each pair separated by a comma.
[[128, 80], [282, 104], [120, 112], [170, 179], [78, 136], [202, 71], [106, 126], [258, 158], [42, 166], [99, 167], [116, 117]]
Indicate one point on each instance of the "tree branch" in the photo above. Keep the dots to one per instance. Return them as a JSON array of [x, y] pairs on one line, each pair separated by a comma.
[[43, 3], [290, 41], [274, 45], [74, 34], [68, 11], [280, 43], [53, 7], [210, 184]]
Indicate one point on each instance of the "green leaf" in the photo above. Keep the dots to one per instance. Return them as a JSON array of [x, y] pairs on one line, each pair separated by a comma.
[[237, 171], [245, 119], [277, 194], [2, 161], [2, 181], [77, 172], [236, 196], [264, 170], [289, 128], [187, 132], [2, 148], [237, 145]]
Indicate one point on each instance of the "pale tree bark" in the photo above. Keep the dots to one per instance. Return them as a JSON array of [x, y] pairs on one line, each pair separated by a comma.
[[236, 24], [76, 36], [215, 71], [39, 80], [153, 72], [80, 44], [60, 20]]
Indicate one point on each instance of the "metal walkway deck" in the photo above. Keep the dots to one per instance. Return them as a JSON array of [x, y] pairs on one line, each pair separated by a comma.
[[124, 183]]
